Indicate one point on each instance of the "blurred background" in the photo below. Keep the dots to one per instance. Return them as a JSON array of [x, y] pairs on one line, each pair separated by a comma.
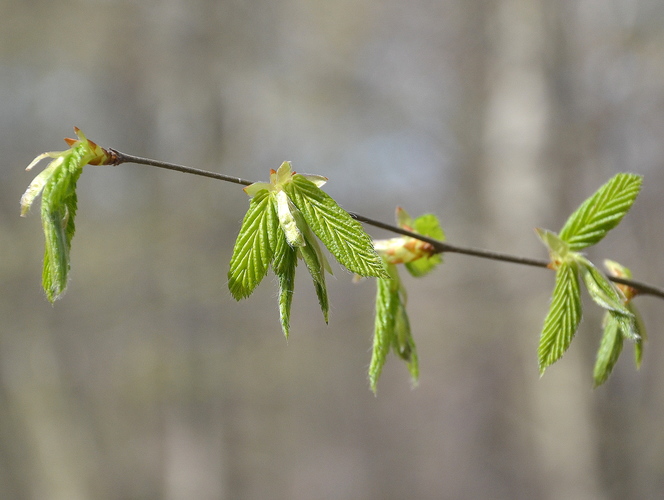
[[148, 381]]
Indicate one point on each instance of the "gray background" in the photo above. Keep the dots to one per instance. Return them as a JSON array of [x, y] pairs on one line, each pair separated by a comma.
[[147, 380]]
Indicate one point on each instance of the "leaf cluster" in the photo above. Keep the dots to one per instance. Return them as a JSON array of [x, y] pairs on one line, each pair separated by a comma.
[[585, 227], [285, 220], [290, 216], [391, 326]]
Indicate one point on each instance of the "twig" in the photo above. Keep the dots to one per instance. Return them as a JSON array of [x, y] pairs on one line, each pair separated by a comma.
[[439, 246]]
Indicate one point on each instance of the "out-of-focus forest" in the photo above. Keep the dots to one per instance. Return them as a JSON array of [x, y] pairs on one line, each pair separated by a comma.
[[148, 381]]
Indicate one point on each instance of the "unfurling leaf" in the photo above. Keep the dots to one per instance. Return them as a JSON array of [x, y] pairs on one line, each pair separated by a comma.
[[609, 350], [57, 185], [558, 249], [392, 328], [342, 235], [638, 333], [600, 289], [283, 264], [601, 212], [419, 257], [254, 246], [563, 318]]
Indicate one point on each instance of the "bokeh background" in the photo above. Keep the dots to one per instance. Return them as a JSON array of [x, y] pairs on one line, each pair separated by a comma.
[[148, 381]]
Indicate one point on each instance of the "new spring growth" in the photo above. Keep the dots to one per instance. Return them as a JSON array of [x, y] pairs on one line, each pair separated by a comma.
[[391, 326], [57, 185]]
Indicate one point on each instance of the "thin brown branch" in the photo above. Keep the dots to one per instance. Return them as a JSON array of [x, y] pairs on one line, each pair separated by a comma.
[[440, 246]]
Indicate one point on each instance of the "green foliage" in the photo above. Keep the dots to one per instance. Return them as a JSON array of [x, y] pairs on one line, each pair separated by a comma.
[[391, 328], [586, 226], [254, 246], [281, 225], [563, 318], [601, 212], [342, 235], [57, 185], [288, 215], [426, 225], [619, 327], [391, 325]]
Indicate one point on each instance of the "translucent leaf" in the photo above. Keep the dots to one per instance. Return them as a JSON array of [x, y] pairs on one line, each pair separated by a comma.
[[563, 318], [609, 350], [342, 235], [601, 212], [558, 249], [429, 225], [254, 246]]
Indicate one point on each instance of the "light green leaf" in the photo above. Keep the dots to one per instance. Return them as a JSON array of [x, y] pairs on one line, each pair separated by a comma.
[[311, 255], [563, 318], [58, 213], [558, 249], [426, 225], [609, 350], [387, 303], [601, 212], [342, 235], [283, 264], [254, 246], [57, 185], [600, 289], [404, 344], [429, 225], [642, 336]]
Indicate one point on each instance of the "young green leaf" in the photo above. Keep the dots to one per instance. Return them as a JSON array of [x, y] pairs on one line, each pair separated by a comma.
[[609, 350], [387, 303], [58, 212], [342, 235], [642, 336], [310, 253], [558, 249], [601, 212], [600, 289], [563, 318], [57, 184], [283, 264], [254, 246], [426, 225], [404, 344]]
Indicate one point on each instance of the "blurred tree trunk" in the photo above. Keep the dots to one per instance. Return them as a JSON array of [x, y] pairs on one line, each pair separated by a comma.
[[515, 192]]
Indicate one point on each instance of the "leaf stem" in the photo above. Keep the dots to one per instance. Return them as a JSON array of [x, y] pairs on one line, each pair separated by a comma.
[[440, 246]]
